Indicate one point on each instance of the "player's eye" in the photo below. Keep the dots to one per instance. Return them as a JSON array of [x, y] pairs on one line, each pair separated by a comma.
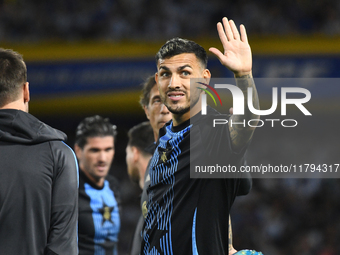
[[165, 74]]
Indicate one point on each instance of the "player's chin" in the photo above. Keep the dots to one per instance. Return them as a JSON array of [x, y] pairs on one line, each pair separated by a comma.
[[161, 124], [179, 109], [102, 172]]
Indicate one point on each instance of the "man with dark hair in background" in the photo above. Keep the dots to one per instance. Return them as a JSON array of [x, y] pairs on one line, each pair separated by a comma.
[[38, 173], [99, 220], [138, 154], [138, 151]]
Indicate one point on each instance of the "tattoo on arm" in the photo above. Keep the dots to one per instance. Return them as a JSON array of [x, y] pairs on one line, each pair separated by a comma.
[[230, 236], [241, 133]]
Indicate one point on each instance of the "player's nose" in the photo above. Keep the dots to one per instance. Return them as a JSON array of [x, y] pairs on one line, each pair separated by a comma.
[[175, 82]]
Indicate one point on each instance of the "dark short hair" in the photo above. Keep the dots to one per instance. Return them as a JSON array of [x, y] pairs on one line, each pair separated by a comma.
[[141, 136], [176, 46], [148, 85], [94, 126], [13, 74]]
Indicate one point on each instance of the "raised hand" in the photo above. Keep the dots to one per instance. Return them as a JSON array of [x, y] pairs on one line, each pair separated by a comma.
[[237, 52]]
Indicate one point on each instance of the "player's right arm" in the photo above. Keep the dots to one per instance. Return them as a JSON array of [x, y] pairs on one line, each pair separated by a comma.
[[237, 58], [230, 239]]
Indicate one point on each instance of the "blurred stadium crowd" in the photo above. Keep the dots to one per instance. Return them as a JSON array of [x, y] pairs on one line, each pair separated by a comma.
[[297, 216], [116, 20], [289, 216]]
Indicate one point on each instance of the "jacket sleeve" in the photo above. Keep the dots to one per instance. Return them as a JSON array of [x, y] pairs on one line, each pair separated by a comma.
[[62, 238]]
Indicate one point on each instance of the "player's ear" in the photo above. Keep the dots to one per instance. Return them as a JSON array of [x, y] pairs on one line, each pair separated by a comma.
[[136, 153], [146, 110], [26, 92], [206, 74], [156, 77], [77, 150]]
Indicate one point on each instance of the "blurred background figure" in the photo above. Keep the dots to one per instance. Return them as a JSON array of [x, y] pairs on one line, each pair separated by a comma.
[[38, 173], [154, 109], [138, 154], [99, 220], [139, 151]]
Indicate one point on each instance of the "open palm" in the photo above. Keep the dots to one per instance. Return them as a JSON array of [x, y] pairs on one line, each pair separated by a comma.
[[237, 52]]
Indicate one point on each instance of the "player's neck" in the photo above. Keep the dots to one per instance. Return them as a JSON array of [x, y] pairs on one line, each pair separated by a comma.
[[178, 119], [142, 168], [17, 105]]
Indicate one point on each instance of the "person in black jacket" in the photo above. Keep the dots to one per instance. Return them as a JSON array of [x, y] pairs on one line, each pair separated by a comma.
[[38, 173], [99, 219]]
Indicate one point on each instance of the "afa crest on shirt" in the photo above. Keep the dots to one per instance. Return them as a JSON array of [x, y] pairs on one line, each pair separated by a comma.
[[144, 209], [164, 155], [106, 213]]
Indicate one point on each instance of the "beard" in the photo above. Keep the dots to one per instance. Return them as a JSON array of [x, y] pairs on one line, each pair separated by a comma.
[[177, 109]]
